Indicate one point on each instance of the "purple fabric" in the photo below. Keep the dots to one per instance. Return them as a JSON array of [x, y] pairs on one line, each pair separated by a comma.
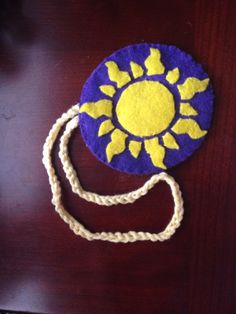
[[171, 57]]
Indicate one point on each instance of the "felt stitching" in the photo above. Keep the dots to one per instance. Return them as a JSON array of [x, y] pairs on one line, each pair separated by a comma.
[[191, 86], [98, 109], [108, 90], [187, 110], [116, 145], [190, 127], [136, 69], [153, 63], [169, 141], [135, 148], [121, 78], [105, 127], [156, 152], [173, 76]]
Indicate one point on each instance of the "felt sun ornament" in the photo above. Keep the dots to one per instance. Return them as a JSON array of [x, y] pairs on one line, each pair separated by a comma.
[[144, 108]]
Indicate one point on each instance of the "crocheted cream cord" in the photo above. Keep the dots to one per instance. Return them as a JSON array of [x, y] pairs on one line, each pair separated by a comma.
[[108, 200]]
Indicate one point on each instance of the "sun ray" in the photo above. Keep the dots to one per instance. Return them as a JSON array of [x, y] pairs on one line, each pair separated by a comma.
[[105, 127], [153, 62], [121, 78], [135, 148], [156, 152], [108, 90], [97, 109], [191, 86], [116, 145], [173, 76], [169, 141], [190, 127], [187, 110], [136, 69]]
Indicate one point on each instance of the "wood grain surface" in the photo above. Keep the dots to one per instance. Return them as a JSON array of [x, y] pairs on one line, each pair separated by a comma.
[[47, 50]]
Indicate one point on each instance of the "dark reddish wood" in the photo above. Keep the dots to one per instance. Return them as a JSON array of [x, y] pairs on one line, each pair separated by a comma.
[[48, 49]]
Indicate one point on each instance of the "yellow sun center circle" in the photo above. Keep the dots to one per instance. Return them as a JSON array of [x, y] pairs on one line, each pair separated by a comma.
[[145, 108]]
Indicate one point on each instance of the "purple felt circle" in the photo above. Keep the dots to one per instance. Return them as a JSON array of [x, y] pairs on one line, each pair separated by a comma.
[[171, 57]]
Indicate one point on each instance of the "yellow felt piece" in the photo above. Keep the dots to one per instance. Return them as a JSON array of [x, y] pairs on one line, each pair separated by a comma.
[[108, 90], [156, 152], [135, 148], [105, 127], [191, 86], [116, 145], [121, 78], [169, 141], [97, 109], [153, 62], [136, 69], [145, 108], [187, 110], [190, 127], [173, 76]]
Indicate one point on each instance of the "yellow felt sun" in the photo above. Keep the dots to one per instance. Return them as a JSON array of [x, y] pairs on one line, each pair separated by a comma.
[[146, 108]]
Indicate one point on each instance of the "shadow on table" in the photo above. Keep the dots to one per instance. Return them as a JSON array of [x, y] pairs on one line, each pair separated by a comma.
[[15, 29]]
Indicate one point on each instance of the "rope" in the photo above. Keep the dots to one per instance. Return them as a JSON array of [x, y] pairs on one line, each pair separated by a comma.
[[72, 116]]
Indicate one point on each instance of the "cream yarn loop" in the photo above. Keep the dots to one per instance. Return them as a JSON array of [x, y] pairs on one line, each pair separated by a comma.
[[72, 116]]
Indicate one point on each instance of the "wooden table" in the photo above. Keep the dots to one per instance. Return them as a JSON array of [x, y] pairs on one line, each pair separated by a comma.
[[48, 49]]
